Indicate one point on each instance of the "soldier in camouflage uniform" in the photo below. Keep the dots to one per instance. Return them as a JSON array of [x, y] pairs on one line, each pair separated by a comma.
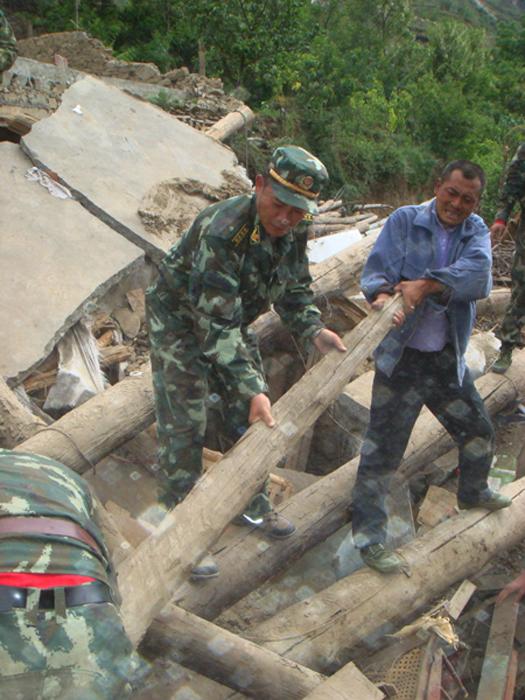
[[513, 191], [7, 44], [238, 257], [60, 631]]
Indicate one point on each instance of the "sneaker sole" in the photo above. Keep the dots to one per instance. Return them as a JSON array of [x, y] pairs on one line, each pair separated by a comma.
[[203, 577]]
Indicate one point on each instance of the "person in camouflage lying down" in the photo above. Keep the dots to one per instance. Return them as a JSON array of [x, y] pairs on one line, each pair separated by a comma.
[[61, 636], [238, 257], [7, 44]]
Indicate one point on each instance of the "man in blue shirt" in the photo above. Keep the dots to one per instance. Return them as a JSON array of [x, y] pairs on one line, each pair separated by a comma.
[[438, 256]]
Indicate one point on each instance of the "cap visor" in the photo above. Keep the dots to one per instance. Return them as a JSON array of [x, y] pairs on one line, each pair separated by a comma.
[[294, 199]]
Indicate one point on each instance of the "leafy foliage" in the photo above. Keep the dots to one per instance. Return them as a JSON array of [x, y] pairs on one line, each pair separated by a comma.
[[383, 95]]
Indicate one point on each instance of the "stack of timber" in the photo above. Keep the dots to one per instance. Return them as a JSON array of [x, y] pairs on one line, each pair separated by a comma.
[[313, 648]]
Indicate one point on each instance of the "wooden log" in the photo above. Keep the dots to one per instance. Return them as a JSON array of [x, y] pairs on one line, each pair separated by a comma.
[[165, 559], [94, 429], [495, 304], [227, 658], [497, 669], [325, 219], [322, 508], [232, 122], [347, 684], [322, 630], [16, 422]]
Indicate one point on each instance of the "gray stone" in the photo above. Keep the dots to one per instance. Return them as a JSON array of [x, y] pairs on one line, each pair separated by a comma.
[[56, 261], [114, 148]]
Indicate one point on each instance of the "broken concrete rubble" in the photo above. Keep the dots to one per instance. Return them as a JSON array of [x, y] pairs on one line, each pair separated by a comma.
[[100, 136], [56, 262]]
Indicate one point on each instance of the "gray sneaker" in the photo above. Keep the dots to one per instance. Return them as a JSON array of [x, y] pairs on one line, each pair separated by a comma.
[[503, 362], [488, 499], [206, 568], [377, 557], [272, 524]]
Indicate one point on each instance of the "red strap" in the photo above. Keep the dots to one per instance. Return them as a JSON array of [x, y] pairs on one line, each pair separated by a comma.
[[23, 580], [499, 221]]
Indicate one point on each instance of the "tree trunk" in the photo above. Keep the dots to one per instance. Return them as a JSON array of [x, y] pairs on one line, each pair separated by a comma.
[[322, 630], [227, 658], [16, 422], [322, 508], [164, 560], [96, 428]]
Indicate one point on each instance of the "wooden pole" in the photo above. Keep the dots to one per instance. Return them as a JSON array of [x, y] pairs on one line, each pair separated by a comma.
[[94, 429], [232, 122], [16, 422], [322, 630], [322, 508], [227, 658]]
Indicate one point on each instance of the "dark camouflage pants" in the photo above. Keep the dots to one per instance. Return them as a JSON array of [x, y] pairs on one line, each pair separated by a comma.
[[420, 378], [514, 320], [80, 654], [186, 387]]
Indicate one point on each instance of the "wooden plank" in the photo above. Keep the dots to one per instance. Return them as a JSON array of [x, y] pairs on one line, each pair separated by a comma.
[[459, 600], [437, 505], [497, 665], [346, 684]]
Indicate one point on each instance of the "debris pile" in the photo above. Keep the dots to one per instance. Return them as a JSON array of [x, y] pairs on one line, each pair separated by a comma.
[[290, 619]]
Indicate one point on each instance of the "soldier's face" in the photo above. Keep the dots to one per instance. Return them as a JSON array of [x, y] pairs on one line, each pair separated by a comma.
[[276, 216], [456, 198]]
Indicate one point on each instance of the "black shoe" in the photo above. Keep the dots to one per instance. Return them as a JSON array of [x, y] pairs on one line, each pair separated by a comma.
[[488, 499], [272, 524], [205, 569]]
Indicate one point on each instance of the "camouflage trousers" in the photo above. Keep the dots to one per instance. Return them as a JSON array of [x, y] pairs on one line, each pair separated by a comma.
[[82, 653], [187, 388], [420, 378], [514, 319]]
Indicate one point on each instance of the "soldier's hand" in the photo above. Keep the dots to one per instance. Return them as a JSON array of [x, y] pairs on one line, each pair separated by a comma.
[[260, 409], [496, 231], [328, 340]]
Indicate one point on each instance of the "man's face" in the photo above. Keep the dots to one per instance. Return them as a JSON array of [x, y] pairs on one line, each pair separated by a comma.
[[276, 217], [456, 198]]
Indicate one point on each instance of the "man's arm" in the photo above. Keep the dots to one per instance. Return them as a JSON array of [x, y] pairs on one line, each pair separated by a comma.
[[7, 44], [513, 189], [516, 586], [298, 312]]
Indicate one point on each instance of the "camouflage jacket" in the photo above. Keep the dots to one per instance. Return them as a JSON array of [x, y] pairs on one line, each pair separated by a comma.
[[38, 486], [7, 44], [513, 189], [225, 272]]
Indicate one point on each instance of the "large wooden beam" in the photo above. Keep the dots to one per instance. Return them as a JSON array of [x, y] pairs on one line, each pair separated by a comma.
[[163, 561], [322, 508], [96, 428], [322, 630], [227, 658], [16, 422]]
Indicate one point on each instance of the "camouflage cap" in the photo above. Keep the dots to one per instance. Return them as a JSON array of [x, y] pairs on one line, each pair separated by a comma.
[[296, 177]]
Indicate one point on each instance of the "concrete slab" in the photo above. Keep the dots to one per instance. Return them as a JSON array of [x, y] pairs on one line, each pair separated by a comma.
[[56, 261], [110, 149]]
